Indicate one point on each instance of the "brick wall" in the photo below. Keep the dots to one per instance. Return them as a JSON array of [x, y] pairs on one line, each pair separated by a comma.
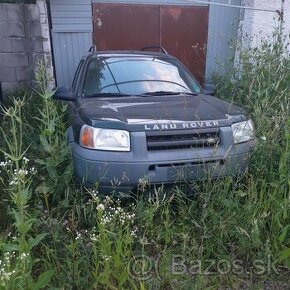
[[21, 43]]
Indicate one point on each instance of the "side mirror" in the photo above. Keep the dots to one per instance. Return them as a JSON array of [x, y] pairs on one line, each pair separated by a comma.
[[209, 89], [64, 94]]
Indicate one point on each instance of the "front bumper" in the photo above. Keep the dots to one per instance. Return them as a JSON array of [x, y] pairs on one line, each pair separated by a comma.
[[124, 171]]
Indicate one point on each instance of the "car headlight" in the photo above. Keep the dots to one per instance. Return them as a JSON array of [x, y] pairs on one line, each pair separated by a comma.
[[104, 139], [243, 131]]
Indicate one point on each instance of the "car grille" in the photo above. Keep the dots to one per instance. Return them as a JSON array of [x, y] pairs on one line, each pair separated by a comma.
[[180, 139]]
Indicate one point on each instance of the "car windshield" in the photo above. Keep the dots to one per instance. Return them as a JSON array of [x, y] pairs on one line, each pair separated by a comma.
[[135, 75]]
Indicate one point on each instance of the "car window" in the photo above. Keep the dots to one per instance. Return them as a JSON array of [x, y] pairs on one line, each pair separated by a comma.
[[77, 74], [137, 75]]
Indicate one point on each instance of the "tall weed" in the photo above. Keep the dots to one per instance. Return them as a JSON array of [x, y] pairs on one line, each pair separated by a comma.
[[260, 84], [17, 257], [54, 156]]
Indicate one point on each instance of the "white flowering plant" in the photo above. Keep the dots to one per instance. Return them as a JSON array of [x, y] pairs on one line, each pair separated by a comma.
[[112, 239], [16, 179]]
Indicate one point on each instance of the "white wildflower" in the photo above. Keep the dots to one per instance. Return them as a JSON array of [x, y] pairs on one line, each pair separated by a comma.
[[265, 214], [13, 182], [100, 207], [134, 232], [25, 160], [106, 258], [33, 170], [93, 237], [23, 256], [79, 235], [3, 164]]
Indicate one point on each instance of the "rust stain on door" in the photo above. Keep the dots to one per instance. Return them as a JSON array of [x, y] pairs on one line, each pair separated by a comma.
[[174, 12]]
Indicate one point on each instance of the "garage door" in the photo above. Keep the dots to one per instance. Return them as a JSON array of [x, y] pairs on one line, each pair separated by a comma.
[[181, 30]]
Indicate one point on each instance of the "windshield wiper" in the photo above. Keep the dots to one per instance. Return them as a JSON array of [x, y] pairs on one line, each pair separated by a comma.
[[168, 93], [155, 93], [100, 95]]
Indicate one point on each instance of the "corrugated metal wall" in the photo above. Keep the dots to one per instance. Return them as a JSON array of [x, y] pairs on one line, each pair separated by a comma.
[[222, 30], [71, 36]]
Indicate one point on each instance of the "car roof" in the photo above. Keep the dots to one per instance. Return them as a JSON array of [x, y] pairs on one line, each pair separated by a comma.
[[127, 53]]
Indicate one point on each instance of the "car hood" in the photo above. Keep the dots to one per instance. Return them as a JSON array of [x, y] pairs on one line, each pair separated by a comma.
[[145, 110]]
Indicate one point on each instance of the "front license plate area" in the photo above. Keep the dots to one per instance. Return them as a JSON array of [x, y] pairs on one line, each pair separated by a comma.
[[189, 172]]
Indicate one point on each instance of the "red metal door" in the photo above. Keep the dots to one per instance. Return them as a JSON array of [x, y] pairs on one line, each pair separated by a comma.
[[119, 26], [181, 30], [184, 35]]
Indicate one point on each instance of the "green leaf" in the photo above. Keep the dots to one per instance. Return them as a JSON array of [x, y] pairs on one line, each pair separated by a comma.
[[283, 235], [10, 247], [285, 254], [51, 171], [43, 279], [40, 161], [32, 242], [45, 144], [43, 189]]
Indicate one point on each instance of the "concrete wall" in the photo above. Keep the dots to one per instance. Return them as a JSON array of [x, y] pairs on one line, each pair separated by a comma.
[[21, 43], [46, 41], [259, 25], [222, 32]]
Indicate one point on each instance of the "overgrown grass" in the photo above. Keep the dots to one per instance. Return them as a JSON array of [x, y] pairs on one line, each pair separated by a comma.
[[58, 235]]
